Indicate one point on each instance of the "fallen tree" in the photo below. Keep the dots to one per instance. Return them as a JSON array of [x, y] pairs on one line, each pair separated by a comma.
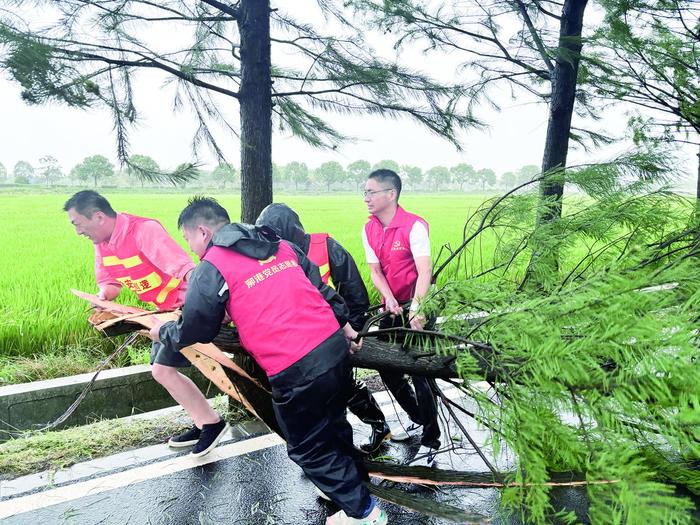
[[595, 374]]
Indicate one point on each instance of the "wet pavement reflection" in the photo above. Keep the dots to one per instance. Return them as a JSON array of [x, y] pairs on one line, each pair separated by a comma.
[[265, 488]]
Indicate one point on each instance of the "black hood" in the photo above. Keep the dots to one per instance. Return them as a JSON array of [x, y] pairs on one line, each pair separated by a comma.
[[285, 222], [246, 239]]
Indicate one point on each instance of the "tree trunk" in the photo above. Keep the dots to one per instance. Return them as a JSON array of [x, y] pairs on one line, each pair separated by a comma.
[[378, 354], [255, 98], [561, 108], [697, 187]]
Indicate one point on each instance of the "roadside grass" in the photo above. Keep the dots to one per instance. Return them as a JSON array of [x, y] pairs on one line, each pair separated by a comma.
[[61, 362], [60, 449]]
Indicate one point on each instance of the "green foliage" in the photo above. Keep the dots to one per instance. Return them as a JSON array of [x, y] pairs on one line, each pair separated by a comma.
[[387, 164], [96, 168], [596, 372], [646, 53], [225, 173], [23, 171], [298, 173], [49, 169], [486, 177], [34, 64], [438, 175], [508, 179], [358, 171], [527, 173], [413, 175], [330, 172], [146, 169], [463, 174]]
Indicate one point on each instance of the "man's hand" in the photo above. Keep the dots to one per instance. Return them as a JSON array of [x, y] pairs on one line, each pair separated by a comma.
[[351, 335], [154, 332], [109, 292], [416, 320], [392, 305]]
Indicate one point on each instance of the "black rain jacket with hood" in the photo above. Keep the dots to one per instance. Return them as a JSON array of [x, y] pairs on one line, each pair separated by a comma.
[[344, 273]]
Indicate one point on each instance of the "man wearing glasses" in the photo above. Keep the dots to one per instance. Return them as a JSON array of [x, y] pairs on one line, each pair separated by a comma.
[[397, 248]]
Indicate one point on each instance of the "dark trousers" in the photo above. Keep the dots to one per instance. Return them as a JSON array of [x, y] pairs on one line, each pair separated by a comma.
[[363, 405], [420, 404], [309, 399]]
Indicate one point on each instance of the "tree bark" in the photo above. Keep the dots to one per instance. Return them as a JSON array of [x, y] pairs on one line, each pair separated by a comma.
[[255, 98], [561, 108], [697, 188], [378, 354]]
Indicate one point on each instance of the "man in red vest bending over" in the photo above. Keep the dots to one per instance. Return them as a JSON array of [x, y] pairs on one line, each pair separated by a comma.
[[138, 253], [338, 269], [397, 248], [290, 322]]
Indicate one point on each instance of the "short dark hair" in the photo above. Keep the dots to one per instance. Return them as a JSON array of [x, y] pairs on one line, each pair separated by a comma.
[[390, 176], [202, 210], [87, 202]]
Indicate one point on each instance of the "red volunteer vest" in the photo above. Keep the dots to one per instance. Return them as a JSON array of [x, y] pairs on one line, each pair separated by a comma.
[[279, 314], [318, 254], [128, 265], [393, 248]]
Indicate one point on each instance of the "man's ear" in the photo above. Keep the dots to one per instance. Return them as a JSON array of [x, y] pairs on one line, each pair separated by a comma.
[[205, 230]]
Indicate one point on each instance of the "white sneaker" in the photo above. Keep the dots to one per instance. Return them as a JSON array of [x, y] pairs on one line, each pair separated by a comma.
[[425, 457], [404, 434], [376, 517]]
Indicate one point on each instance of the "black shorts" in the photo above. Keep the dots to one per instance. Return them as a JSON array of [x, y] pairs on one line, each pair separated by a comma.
[[161, 355]]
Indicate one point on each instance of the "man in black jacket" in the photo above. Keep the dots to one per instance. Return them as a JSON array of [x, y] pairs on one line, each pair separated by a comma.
[[296, 329], [339, 270]]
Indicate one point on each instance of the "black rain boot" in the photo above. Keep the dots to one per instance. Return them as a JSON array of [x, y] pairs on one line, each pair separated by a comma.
[[380, 433]]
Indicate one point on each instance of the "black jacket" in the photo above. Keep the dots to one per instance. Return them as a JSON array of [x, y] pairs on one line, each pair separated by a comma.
[[346, 277], [207, 291]]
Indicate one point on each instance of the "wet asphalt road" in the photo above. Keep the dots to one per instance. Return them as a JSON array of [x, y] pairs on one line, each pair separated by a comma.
[[260, 488], [265, 488]]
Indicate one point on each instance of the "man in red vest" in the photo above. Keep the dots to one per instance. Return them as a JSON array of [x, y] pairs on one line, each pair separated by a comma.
[[290, 322], [138, 253], [338, 269], [397, 248]]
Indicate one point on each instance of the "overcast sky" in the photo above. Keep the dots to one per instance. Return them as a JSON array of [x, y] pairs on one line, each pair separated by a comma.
[[514, 137]]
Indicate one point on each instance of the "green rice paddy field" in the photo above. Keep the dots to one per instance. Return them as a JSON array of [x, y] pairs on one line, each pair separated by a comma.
[[43, 258]]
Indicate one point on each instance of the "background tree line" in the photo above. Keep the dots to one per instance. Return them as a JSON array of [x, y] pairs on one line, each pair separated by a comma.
[[98, 171]]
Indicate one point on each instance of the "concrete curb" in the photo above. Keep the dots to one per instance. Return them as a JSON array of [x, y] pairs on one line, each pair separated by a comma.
[[117, 392]]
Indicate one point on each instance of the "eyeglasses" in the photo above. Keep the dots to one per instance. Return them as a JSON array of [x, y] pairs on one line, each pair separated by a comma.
[[372, 193]]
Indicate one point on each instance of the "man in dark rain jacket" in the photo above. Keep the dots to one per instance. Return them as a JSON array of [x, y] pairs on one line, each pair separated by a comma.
[[290, 322], [338, 269]]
